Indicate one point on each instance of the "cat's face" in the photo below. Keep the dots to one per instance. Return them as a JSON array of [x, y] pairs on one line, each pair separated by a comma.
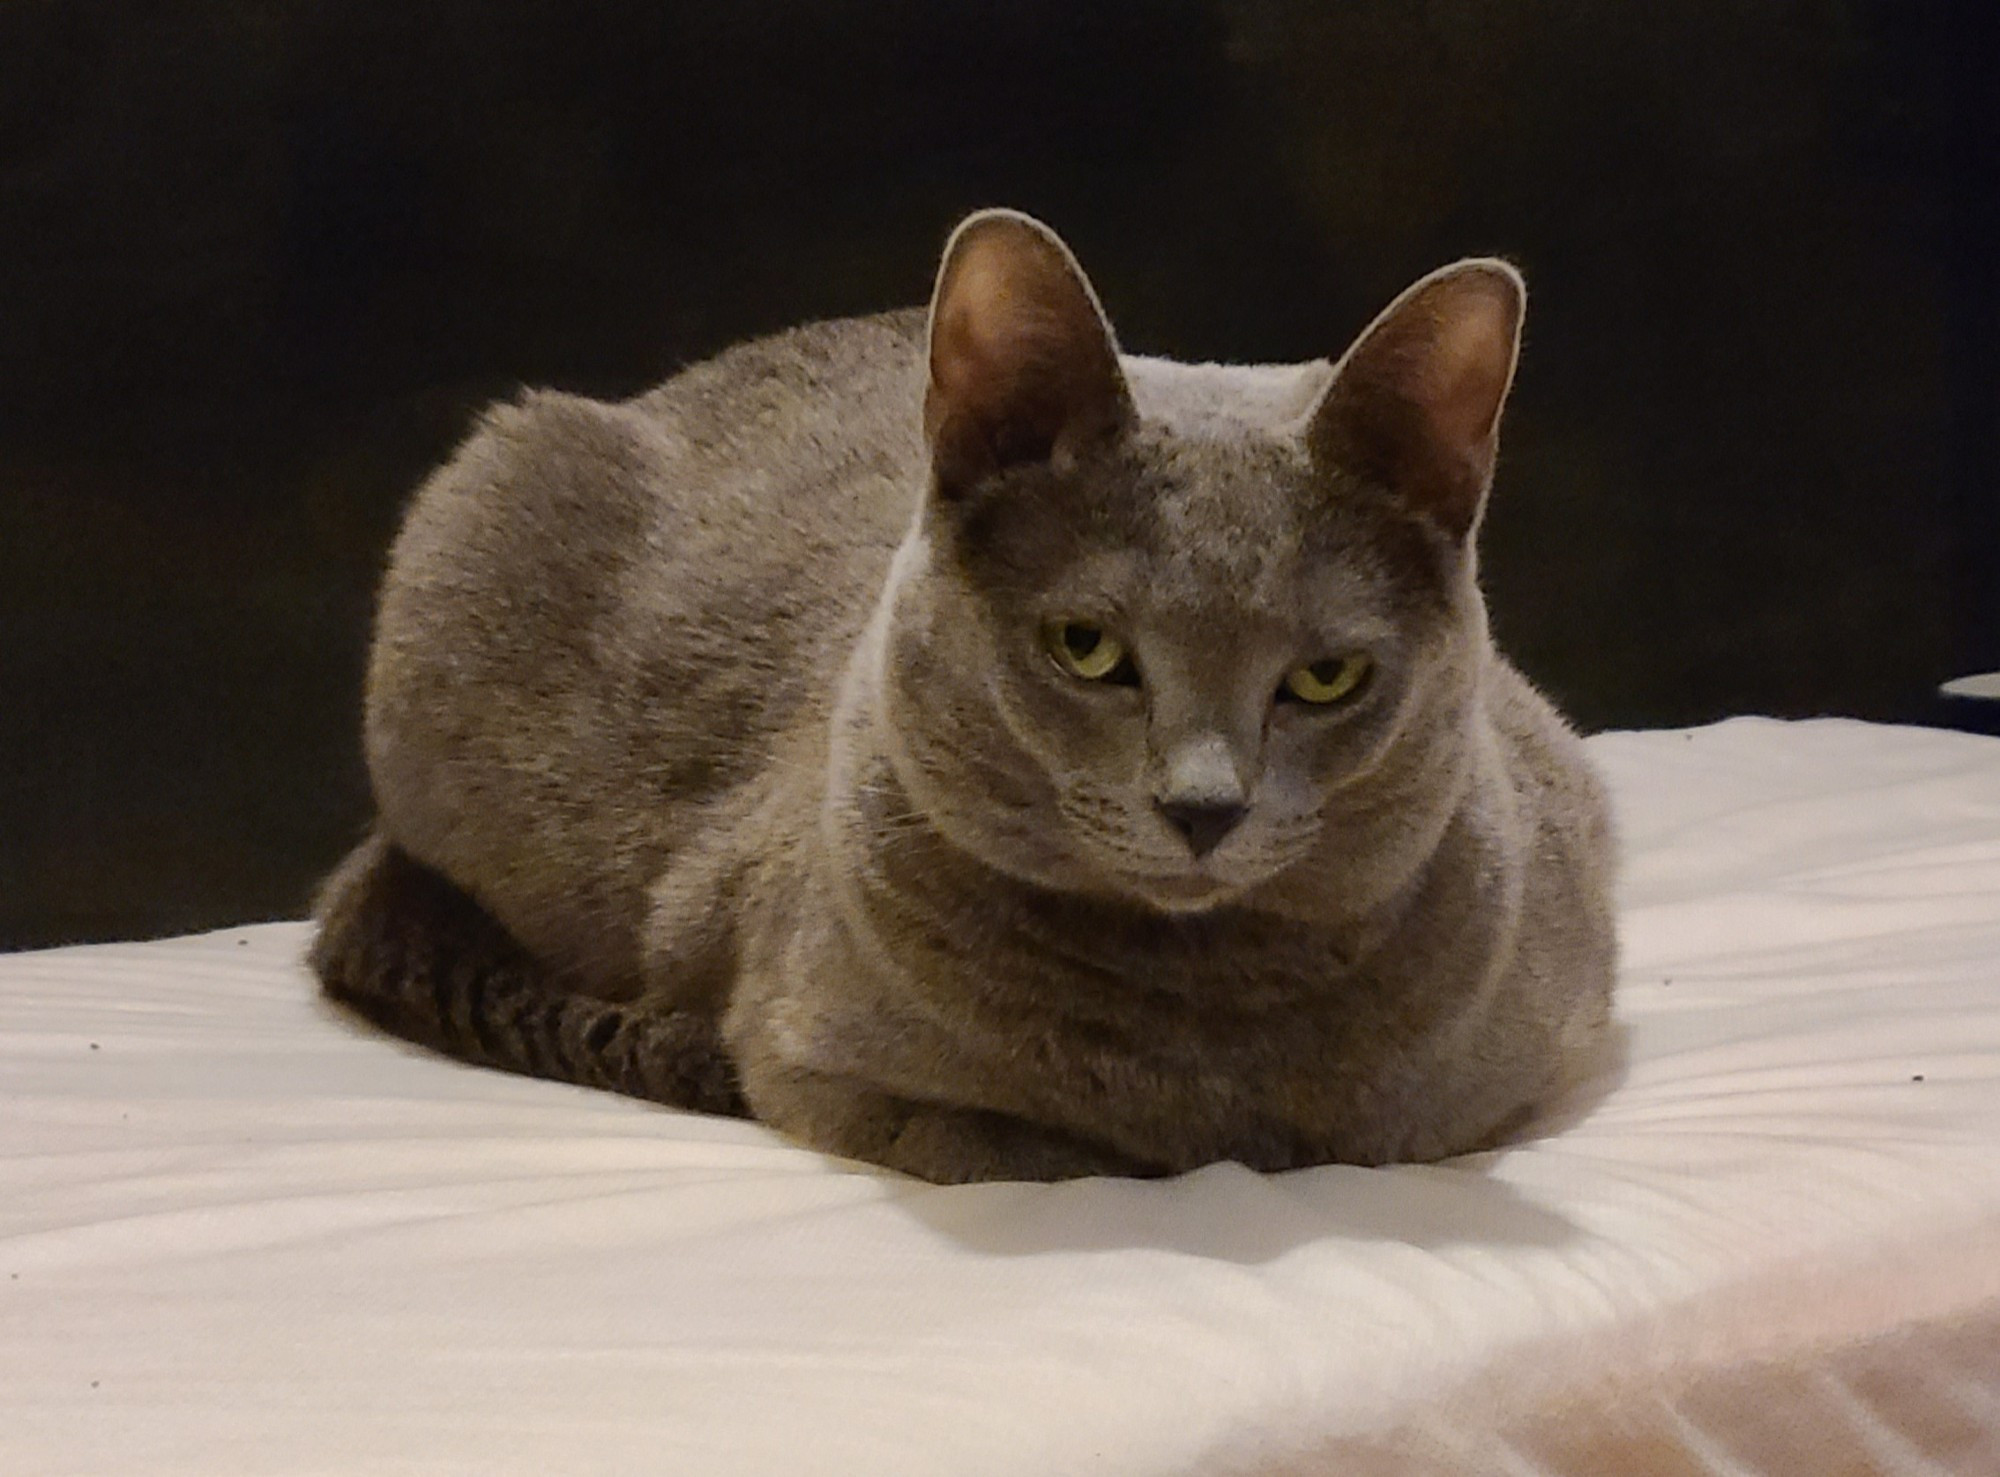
[[1166, 656], [1168, 669]]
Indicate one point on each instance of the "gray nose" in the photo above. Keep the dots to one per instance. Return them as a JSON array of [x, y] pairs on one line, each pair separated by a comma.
[[1203, 823]]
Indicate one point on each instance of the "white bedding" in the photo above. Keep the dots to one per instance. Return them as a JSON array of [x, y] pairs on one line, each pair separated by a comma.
[[239, 1234]]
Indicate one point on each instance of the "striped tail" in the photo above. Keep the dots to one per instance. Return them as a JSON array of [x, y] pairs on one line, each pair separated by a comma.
[[405, 949]]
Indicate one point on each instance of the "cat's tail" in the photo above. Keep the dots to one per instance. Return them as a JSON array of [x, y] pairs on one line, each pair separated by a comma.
[[402, 947]]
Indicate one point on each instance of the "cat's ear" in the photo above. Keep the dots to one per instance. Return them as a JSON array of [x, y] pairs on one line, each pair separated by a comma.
[[1415, 404], [1023, 365]]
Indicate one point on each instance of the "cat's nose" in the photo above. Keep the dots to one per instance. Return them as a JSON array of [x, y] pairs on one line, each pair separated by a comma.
[[1203, 822]]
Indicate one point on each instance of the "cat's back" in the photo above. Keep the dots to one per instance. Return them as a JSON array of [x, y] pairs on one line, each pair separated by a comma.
[[774, 447], [799, 440], [598, 617]]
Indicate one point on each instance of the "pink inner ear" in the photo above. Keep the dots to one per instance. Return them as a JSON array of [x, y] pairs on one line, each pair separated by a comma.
[[1417, 400], [1469, 362], [1021, 359], [969, 356]]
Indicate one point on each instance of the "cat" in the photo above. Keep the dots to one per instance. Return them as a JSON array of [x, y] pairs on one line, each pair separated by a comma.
[[973, 750]]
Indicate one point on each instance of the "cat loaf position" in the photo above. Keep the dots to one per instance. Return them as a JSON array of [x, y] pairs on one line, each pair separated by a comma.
[[966, 747]]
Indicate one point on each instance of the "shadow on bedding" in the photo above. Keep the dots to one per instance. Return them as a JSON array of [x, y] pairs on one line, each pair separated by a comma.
[[1225, 1212]]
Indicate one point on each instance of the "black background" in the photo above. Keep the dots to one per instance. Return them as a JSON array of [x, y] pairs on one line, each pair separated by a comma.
[[259, 263]]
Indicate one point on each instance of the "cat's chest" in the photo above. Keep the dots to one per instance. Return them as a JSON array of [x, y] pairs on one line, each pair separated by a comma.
[[1215, 1052], [1256, 1057]]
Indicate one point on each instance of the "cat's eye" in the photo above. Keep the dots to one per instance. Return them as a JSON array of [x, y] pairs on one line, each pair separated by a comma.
[[1089, 652], [1328, 681]]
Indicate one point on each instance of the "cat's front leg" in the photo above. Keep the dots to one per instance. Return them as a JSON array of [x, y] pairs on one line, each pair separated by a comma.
[[933, 1141]]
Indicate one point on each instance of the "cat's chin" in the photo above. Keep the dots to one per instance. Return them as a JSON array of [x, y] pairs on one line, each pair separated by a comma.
[[1196, 892]]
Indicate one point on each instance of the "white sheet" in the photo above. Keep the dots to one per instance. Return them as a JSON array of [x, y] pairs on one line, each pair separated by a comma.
[[239, 1234]]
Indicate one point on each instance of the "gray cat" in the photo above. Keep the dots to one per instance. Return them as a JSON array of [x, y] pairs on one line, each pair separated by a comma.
[[970, 749]]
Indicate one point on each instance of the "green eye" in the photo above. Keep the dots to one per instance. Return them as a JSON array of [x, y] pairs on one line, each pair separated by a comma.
[[1085, 651], [1328, 681]]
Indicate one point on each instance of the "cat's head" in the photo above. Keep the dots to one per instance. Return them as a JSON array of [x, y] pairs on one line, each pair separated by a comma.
[[1170, 631]]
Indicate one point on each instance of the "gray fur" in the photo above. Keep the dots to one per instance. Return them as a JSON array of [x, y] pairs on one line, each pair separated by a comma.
[[723, 712]]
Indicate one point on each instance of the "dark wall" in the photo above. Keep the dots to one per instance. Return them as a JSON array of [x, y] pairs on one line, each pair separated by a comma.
[[259, 263]]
